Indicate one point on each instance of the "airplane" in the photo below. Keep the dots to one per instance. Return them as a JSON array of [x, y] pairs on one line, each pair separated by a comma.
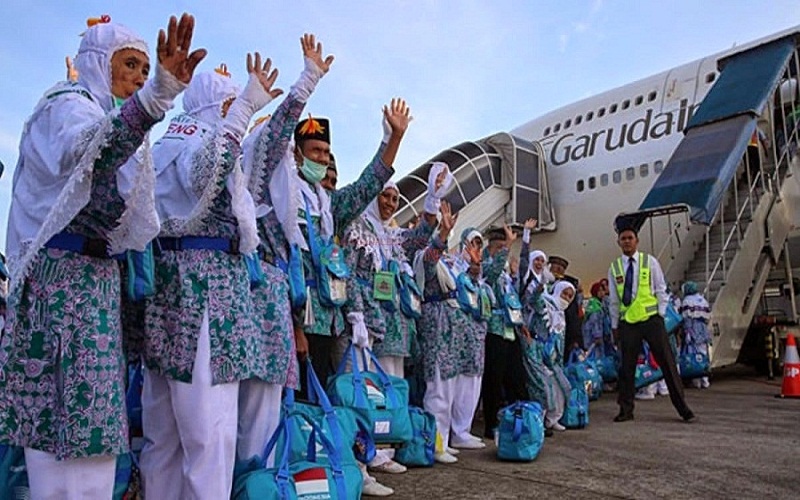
[[579, 167]]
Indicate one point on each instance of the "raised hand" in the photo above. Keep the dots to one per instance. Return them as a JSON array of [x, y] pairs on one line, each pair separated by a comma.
[[313, 51], [530, 223], [447, 222], [173, 48], [511, 236], [398, 115], [263, 74], [474, 251], [440, 179]]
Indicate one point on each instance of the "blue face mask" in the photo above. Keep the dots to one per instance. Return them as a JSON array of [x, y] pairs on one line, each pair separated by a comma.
[[313, 172]]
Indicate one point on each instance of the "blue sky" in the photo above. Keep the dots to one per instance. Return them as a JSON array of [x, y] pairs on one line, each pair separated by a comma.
[[467, 68]]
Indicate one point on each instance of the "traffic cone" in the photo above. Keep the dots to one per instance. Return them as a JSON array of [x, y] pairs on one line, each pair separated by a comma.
[[791, 370]]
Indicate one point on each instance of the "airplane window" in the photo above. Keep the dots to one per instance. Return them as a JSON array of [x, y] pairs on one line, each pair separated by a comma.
[[643, 170], [601, 112], [658, 166], [589, 116], [592, 182], [557, 127], [547, 131], [567, 124], [630, 173], [626, 104], [578, 120], [651, 96], [711, 77], [604, 180], [639, 100], [617, 176], [612, 109], [580, 186]]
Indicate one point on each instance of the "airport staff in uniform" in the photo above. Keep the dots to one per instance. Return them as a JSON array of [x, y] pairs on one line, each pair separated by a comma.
[[637, 302]]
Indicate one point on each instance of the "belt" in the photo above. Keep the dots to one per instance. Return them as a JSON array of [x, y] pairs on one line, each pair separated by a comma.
[[91, 247], [198, 243], [437, 297]]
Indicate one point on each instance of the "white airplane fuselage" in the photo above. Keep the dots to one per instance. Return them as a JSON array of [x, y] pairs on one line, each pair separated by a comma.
[[605, 152]]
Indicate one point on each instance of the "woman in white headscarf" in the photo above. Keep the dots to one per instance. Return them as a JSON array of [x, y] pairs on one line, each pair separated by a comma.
[[376, 254], [543, 350], [61, 356], [199, 328]]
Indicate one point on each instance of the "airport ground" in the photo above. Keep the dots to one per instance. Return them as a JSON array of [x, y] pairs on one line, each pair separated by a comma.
[[744, 444]]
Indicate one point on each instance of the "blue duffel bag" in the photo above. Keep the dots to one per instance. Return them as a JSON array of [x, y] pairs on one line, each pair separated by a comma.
[[378, 398], [320, 473], [520, 431], [693, 363], [584, 372], [647, 372], [576, 409], [420, 450]]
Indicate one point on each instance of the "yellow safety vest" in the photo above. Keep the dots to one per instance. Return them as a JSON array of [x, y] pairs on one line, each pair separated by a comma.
[[645, 304]]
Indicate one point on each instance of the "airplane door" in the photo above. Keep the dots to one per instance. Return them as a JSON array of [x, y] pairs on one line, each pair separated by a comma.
[[680, 91]]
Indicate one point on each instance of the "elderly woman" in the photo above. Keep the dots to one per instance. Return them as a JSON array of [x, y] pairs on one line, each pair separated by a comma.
[[61, 357], [543, 350], [199, 330], [380, 274], [451, 334]]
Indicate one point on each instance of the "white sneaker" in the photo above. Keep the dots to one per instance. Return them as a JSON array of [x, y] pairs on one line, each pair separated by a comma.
[[663, 391], [452, 451], [705, 384], [445, 458], [469, 444], [558, 427], [389, 467], [645, 395], [473, 437], [373, 488]]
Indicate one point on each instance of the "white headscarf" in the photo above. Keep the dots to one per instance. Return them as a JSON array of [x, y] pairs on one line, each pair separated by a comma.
[[376, 235], [555, 309], [206, 94], [93, 62], [42, 209], [541, 277]]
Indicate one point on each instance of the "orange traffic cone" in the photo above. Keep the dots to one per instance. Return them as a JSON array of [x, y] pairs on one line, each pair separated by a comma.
[[791, 370]]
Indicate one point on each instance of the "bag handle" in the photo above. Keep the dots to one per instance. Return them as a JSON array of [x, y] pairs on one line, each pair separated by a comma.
[[388, 388], [358, 378], [313, 244], [573, 357], [334, 457]]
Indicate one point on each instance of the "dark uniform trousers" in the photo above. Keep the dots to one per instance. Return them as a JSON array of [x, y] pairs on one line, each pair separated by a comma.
[[630, 343], [503, 378]]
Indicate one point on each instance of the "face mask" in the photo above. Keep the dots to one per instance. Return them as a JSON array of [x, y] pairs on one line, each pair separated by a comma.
[[118, 101], [564, 303], [313, 171]]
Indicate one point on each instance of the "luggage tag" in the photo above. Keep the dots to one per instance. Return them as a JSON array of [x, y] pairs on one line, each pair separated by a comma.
[[383, 286]]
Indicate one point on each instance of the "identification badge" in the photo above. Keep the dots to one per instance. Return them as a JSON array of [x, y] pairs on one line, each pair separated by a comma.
[[338, 289], [508, 333], [383, 286]]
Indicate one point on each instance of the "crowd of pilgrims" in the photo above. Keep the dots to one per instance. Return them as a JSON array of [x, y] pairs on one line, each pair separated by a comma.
[[224, 255]]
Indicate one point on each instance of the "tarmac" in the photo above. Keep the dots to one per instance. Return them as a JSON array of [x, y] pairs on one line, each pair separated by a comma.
[[744, 444]]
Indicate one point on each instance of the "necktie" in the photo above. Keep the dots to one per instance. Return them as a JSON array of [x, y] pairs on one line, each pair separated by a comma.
[[627, 292]]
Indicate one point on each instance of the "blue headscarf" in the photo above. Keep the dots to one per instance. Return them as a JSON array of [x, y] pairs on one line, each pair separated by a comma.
[[689, 288]]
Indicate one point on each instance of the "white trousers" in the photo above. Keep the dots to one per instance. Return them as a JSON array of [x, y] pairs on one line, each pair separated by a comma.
[[438, 400], [465, 402], [73, 479], [393, 365], [553, 415], [189, 432], [259, 416]]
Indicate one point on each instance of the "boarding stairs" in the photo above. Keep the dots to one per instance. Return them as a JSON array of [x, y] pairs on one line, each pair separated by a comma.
[[733, 254]]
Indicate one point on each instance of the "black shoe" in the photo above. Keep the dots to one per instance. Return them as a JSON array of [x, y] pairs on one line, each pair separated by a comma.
[[689, 417], [623, 417]]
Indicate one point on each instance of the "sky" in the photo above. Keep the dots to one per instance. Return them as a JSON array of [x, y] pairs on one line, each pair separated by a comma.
[[467, 68]]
